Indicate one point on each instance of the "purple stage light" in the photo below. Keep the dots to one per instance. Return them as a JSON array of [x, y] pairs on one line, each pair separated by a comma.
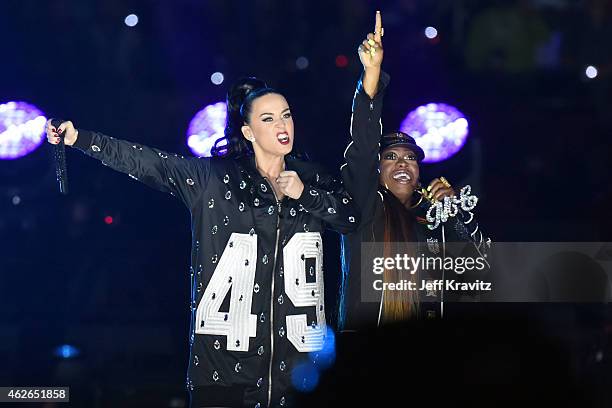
[[439, 129], [22, 129], [205, 128]]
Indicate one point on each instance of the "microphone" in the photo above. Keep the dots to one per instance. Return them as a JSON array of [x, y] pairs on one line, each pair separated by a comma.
[[59, 156]]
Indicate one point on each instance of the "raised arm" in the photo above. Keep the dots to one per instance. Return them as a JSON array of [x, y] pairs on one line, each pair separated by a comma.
[[185, 178], [360, 171]]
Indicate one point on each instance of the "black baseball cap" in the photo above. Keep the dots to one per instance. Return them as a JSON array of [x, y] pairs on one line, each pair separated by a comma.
[[401, 139]]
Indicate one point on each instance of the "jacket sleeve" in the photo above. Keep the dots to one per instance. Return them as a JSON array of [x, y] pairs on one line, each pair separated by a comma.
[[360, 172], [325, 198], [467, 229], [185, 178]]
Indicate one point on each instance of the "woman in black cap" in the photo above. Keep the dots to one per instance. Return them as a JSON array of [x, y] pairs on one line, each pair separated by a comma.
[[382, 176]]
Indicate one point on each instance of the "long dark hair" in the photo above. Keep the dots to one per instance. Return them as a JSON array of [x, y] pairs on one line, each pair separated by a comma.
[[398, 305], [239, 102]]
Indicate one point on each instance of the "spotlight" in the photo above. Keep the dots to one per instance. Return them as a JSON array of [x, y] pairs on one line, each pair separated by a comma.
[[439, 129], [205, 128], [22, 129], [66, 351]]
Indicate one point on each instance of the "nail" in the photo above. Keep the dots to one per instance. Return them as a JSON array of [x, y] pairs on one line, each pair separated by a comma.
[[428, 188]]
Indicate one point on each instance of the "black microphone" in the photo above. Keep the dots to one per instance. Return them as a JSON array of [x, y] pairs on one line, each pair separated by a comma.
[[59, 156]]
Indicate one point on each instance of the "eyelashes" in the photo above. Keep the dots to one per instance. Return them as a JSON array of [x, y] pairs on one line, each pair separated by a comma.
[[270, 119]]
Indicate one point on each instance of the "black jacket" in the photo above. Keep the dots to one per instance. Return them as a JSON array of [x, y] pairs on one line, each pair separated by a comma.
[[360, 175], [257, 265]]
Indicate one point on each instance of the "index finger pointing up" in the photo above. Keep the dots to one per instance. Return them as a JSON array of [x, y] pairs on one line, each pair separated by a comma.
[[378, 27]]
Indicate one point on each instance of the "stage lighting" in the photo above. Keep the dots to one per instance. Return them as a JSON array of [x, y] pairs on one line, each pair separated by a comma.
[[301, 63], [305, 377], [66, 351], [590, 72], [431, 32], [205, 128], [131, 20], [217, 78], [439, 129], [22, 129]]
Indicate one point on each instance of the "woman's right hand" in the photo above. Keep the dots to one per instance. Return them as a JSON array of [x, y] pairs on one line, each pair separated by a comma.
[[370, 50], [66, 128]]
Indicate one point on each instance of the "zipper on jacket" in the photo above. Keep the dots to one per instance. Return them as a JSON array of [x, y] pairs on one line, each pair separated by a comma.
[[278, 205]]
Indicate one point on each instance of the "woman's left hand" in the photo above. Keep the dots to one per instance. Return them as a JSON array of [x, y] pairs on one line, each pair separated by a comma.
[[290, 184], [437, 190]]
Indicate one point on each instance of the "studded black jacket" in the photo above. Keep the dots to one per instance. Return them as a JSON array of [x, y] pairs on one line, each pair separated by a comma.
[[257, 306], [360, 174]]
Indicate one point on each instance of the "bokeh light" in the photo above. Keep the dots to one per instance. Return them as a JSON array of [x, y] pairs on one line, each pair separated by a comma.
[[22, 129], [205, 128], [217, 78], [302, 63], [431, 32], [131, 20], [341, 61], [66, 351], [590, 72], [439, 129], [305, 377]]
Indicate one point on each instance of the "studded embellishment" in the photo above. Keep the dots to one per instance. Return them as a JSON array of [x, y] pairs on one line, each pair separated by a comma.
[[260, 350], [241, 207], [211, 203], [282, 401], [271, 210], [314, 193], [200, 287], [214, 229], [306, 229], [297, 282], [345, 200], [214, 258], [256, 202], [264, 259], [263, 187], [433, 245], [258, 405], [262, 317], [163, 156], [281, 272], [282, 366], [228, 195], [196, 360], [215, 376], [256, 288], [238, 367], [171, 180], [292, 212], [246, 262], [281, 332], [226, 178], [225, 220], [252, 232], [280, 300], [190, 182], [95, 148], [242, 184], [259, 383], [311, 271], [132, 176], [331, 210], [217, 345], [351, 219], [135, 147]]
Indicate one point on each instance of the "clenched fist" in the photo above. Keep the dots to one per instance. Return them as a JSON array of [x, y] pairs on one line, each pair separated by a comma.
[[66, 129], [290, 184]]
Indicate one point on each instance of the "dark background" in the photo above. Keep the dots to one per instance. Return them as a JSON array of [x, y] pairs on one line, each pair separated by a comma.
[[538, 154]]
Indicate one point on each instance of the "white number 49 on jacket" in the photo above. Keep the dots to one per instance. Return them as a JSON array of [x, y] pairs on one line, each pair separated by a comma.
[[236, 272]]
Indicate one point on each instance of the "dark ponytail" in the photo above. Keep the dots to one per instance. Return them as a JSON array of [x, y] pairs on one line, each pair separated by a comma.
[[240, 99]]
